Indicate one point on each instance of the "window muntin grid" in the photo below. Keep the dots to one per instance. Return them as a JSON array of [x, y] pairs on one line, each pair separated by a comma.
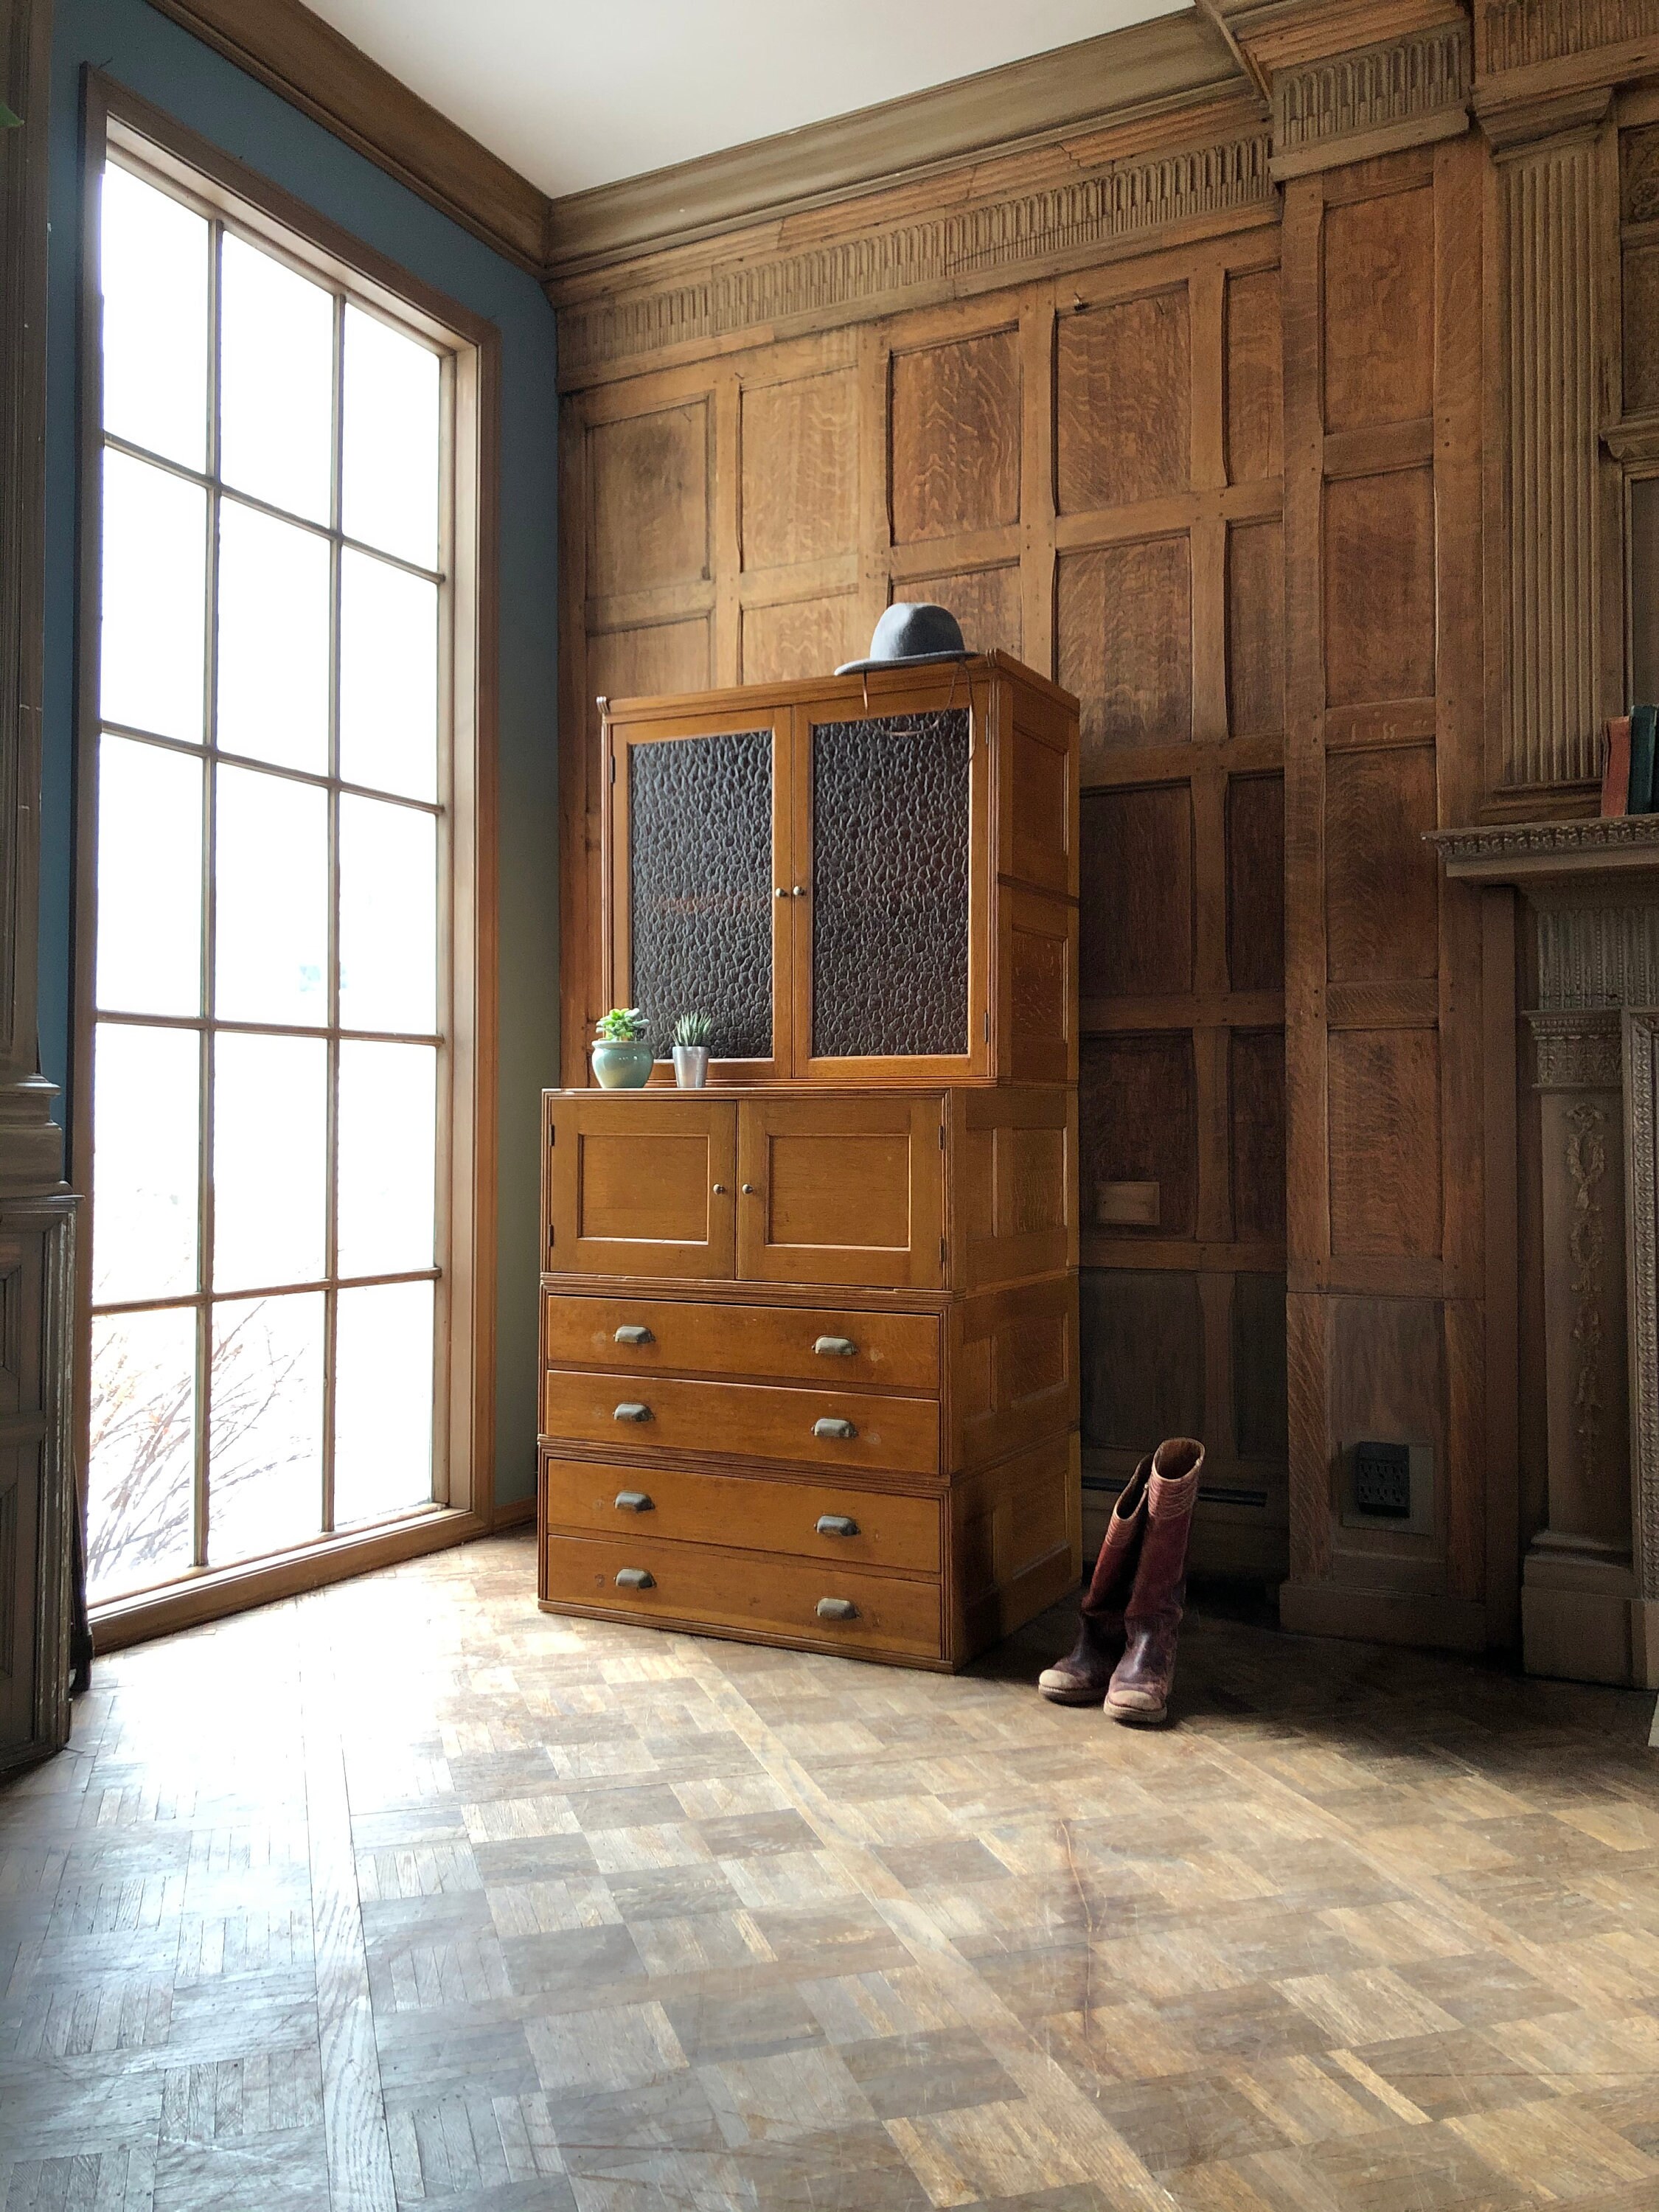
[[343, 1053]]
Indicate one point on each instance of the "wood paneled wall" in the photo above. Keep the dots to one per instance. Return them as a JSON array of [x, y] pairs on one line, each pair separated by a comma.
[[1382, 287], [1088, 472], [1314, 447]]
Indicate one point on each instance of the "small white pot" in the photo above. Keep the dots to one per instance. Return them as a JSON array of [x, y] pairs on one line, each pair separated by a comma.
[[691, 1066]]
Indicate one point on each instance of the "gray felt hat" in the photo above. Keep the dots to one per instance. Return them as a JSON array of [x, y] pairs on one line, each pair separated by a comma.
[[911, 632]]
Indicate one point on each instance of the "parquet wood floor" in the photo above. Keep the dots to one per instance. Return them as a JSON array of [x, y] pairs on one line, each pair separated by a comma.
[[404, 1894]]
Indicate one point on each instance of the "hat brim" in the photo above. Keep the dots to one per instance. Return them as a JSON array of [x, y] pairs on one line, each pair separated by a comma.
[[902, 660]]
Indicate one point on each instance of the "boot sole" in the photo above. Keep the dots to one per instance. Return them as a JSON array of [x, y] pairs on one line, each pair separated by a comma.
[[1137, 1716], [1070, 1696]]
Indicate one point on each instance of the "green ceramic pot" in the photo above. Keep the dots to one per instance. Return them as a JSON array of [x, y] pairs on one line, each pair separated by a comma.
[[622, 1066]]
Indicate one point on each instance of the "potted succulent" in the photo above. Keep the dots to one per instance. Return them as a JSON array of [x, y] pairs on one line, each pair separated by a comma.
[[621, 1058], [691, 1035]]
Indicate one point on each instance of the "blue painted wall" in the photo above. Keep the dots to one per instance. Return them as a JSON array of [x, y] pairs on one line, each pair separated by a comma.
[[153, 57]]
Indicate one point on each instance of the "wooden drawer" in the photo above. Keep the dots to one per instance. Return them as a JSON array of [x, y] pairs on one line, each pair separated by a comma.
[[747, 1590], [894, 1350], [744, 1512], [750, 1420]]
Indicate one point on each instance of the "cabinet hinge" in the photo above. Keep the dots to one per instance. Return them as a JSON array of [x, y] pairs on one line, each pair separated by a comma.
[[987, 1025], [941, 1136], [941, 1251], [613, 768]]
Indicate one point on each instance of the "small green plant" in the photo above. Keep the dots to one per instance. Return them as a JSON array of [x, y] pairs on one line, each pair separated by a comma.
[[622, 1026], [693, 1028]]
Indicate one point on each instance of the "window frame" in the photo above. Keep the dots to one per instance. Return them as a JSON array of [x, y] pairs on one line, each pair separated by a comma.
[[117, 121]]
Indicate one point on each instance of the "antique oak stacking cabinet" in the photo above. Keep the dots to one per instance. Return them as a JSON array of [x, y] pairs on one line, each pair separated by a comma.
[[809, 1335]]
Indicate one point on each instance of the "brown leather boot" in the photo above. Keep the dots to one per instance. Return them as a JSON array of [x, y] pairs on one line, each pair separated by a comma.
[[1139, 1690], [1081, 1679]]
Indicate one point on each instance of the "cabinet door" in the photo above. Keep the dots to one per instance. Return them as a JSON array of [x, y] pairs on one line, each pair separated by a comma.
[[892, 948], [700, 917], [640, 1185], [839, 1189]]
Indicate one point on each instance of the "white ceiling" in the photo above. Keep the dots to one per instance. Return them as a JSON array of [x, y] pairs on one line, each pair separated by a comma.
[[574, 93]]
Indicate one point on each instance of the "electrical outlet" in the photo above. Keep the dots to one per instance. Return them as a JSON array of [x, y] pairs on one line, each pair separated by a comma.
[[1385, 1485]]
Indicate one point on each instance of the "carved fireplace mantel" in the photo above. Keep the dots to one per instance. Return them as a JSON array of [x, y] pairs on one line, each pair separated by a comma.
[[1590, 1599]]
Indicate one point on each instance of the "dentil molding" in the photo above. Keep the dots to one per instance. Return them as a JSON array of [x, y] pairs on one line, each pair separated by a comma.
[[1407, 91]]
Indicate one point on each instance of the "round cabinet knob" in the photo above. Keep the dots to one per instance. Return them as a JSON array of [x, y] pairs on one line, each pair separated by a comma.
[[798, 891], [749, 1190], [781, 891], [720, 1190]]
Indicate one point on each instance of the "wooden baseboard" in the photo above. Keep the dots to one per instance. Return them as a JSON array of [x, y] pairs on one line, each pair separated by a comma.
[[214, 1596], [517, 1513], [1362, 1616]]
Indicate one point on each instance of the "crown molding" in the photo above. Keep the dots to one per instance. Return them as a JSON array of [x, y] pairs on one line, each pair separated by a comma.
[[1031, 215], [312, 66], [1142, 70]]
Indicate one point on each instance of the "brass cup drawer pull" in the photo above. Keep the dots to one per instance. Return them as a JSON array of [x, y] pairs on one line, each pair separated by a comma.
[[837, 1608], [837, 1524], [631, 1410], [636, 1578], [836, 1347], [634, 1501], [633, 1332], [829, 1426]]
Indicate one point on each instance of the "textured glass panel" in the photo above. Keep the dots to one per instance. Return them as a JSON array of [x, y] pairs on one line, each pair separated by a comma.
[[154, 274], [382, 1401], [266, 1432], [890, 885], [141, 1465], [700, 864]]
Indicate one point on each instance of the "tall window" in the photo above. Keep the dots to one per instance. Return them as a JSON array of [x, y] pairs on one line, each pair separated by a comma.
[[270, 987]]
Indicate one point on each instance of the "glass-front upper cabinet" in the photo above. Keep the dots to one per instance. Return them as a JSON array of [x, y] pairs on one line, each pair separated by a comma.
[[833, 873]]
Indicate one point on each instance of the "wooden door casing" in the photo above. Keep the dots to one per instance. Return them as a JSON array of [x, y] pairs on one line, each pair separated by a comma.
[[646, 1186]]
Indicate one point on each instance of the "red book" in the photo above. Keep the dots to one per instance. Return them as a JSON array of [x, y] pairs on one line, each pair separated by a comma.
[[1615, 770]]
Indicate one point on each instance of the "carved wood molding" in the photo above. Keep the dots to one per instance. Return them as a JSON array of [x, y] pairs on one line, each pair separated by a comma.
[[1506, 852], [1517, 34], [1407, 91], [851, 278], [1575, 1051]]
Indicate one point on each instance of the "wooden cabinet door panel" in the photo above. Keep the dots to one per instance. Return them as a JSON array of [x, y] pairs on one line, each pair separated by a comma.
[[640, 1186], [763, 1596], [891, 1350], [745, 1512], [837, 1430], [841, 1189]]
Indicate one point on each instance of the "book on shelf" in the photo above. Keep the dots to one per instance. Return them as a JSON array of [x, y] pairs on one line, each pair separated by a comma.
[[1615, 766], [1641, 732]]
